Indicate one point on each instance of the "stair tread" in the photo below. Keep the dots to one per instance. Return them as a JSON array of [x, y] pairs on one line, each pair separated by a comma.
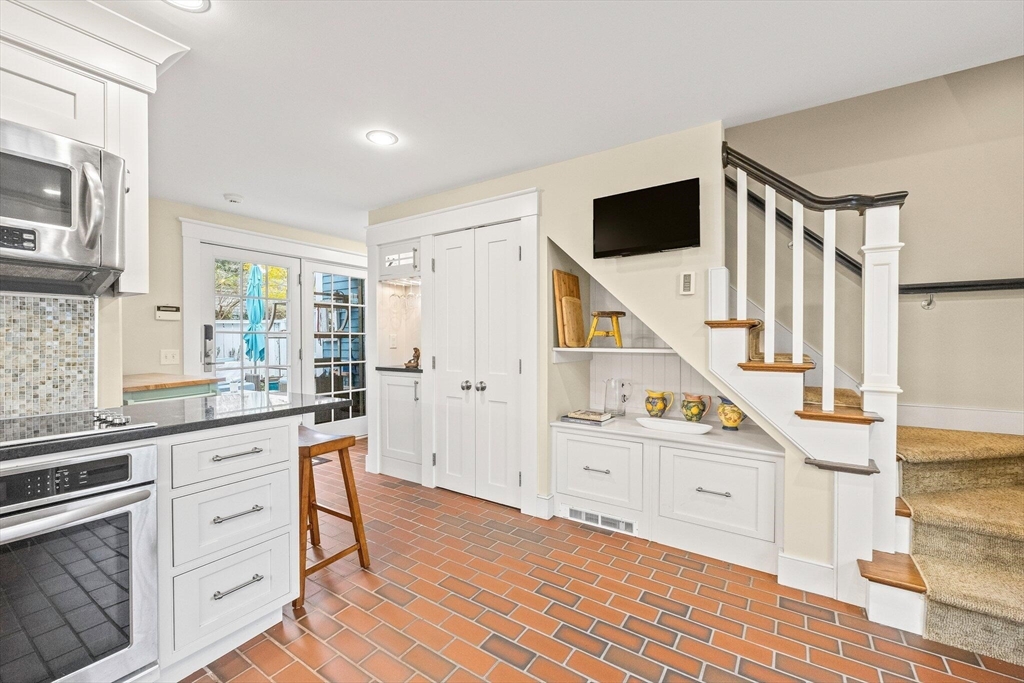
[[781, 364], [994, 590], [902, 509], [893, 569], [843, 397], [844, 414], [997, 511], [733, 322], [923, 445]]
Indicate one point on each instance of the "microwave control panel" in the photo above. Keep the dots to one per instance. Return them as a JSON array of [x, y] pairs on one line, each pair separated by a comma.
[[18, 238], [55, 481]]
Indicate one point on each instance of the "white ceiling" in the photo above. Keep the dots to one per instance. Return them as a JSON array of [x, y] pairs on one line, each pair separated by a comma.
[[275, 97]]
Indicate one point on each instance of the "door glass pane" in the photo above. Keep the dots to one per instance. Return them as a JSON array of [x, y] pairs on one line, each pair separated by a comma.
[[64, 599], [34, 191], [358, 403], [339, 354]]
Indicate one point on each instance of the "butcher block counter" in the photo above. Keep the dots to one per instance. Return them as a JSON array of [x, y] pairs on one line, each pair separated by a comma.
[[159, 386]]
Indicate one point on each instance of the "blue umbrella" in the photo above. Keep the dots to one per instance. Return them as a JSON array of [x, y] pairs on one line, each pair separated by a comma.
[[255, 344]]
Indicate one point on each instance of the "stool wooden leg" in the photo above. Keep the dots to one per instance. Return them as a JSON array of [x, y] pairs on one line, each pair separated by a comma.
[[615, 332], [593, 329], [353, 506], [305, 474], [314, 517]]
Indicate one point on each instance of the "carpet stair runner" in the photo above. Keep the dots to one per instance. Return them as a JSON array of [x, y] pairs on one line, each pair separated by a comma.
[[965, 491]]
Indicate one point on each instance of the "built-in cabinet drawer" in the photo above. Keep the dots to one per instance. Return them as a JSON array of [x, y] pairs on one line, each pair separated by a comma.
[[42, 94], [221, 593], [212, 458], [717, 491], [218, 518], [601, 469]]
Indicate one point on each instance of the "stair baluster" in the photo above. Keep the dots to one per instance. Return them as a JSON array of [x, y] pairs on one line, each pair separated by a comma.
[[798, 282], [769, 274], [741, 244], [828, 316]]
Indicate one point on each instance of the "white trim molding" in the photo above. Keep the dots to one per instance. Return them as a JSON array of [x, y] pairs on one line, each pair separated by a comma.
[[896, 607], [955, 417], [807, 575]]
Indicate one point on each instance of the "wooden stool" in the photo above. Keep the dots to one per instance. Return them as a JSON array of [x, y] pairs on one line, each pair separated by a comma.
[[594, 332], [311, 444]]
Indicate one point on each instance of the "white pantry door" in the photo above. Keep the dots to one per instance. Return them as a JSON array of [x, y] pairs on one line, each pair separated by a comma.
[[496, 385], [454, 376]]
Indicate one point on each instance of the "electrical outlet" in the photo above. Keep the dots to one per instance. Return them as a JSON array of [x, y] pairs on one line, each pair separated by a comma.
[[393, 341], [170, 356]]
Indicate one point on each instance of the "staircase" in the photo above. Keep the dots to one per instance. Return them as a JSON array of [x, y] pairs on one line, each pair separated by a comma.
[[960, 580]]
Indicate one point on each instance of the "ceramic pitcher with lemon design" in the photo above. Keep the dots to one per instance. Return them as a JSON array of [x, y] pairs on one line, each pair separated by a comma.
[[730, 415], [695, 406], [656, 402]]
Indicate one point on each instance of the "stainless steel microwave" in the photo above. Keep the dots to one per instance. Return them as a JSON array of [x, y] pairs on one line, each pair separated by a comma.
[[61, 213]]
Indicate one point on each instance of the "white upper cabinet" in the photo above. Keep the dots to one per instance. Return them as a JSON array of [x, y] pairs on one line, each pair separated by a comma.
[[81, 71], [399, 260]]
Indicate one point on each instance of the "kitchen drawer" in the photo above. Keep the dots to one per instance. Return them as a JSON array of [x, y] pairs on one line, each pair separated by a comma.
[[221, 517], [51, 97], [601, 469], [211, 458], [222, 593], [722, 492]]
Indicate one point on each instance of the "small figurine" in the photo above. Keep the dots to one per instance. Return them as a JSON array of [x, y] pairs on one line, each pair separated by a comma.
[[414, 362]]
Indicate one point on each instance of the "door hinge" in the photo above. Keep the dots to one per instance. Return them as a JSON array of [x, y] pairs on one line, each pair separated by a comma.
[[300, 358], [520, 253], [433, 460], [520, 478], [432, 265], [300, 278], [520, 366], [433, 362]]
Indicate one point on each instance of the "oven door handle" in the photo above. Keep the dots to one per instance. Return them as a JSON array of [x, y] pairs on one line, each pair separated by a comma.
[[36, 522], [94, 201]]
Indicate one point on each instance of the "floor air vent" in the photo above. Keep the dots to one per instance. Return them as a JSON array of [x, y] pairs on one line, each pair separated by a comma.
[[604, 521]]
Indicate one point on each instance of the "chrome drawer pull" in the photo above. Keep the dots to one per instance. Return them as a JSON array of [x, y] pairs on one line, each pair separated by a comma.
[[255, 508], [256, 578], [588, 468], [252, 451], [725, 494]]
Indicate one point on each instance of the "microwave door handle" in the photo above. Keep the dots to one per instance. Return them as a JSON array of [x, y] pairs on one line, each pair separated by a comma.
[[94, 201], [36, 522]]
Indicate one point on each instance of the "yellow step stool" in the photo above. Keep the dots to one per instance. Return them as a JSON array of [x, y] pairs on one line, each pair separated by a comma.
[[614, 332]]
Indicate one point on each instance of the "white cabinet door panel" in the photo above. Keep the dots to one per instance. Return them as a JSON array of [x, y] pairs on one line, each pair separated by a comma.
[[400, 417], [454, 332], [497, 364], [732, 494]]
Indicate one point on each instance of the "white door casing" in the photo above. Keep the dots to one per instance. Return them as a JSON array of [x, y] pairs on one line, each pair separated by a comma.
[[496, 382], [454, 331]]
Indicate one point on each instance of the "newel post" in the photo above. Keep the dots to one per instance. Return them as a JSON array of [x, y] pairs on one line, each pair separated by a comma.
[[881, 257]]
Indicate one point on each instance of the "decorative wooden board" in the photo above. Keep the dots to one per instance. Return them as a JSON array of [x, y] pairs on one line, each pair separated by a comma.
[[572, 319], [566, 284]]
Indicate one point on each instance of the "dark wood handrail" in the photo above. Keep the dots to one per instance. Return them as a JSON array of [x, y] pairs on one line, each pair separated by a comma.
[[854, 266], [790, 190]]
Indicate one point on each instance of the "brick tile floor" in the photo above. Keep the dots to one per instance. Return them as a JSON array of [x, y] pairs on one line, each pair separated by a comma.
[[465, 590]]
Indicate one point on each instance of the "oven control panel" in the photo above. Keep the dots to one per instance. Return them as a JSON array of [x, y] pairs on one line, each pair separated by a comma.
[[55, 481], [18, 238]]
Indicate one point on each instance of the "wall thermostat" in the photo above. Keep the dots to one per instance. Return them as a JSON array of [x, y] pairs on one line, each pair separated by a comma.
[[168, 312]]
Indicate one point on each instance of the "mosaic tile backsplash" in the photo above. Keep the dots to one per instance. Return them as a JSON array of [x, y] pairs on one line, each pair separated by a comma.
[[49, 355]]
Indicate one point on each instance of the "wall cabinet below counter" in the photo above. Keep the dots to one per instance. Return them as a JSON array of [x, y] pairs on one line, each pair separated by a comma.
[[400, 420], [717, 494]]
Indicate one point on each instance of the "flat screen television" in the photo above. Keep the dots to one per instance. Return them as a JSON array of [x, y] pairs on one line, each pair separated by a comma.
[[645, 221]]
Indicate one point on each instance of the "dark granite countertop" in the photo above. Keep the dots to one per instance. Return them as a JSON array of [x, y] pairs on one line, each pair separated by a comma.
[[397, 368], [173, 416]]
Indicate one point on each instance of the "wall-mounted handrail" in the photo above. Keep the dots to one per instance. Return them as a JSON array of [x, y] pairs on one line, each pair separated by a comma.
[[853, 265], [790, 190]]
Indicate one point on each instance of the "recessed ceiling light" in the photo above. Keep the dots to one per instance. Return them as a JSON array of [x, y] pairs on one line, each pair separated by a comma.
[[233, 198], [190, 5], [381, 137]]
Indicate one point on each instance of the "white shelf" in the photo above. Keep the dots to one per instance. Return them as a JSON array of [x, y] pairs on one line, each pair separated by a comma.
[[573, 355]]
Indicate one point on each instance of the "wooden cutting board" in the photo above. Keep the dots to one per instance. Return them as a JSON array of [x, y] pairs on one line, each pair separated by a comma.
[[566, 284], [572, 316]]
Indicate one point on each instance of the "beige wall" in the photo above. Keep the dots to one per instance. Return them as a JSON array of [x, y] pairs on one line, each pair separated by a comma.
[[647, 285], [143, 336], [956, 143]]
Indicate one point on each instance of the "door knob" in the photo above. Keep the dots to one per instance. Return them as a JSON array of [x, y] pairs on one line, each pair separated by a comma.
[[481, 386], [467, 385]]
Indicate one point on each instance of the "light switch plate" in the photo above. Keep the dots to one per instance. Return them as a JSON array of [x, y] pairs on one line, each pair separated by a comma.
[[170, 356], [393, 341], [687, 283]]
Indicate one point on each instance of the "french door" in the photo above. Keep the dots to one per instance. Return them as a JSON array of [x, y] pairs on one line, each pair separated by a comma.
[[477, 382], [251, 303], [334, 359]]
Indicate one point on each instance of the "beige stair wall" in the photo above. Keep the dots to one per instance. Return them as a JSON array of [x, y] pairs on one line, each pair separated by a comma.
[[647, 285]]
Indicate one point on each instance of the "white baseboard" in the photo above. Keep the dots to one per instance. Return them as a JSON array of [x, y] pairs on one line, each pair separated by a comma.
[[896, 607], [970, 419], [807, 575], [545, 506]]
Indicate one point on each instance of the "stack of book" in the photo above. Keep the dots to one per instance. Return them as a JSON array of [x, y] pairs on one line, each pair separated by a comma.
[[588, 417]]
